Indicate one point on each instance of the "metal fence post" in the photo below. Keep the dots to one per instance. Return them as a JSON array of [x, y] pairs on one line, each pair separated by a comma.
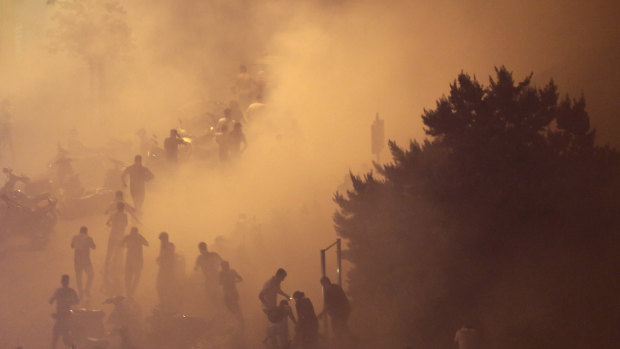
[[325, 324]]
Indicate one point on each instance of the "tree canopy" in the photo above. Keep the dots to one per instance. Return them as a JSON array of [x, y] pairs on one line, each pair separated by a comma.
[[505, 218]]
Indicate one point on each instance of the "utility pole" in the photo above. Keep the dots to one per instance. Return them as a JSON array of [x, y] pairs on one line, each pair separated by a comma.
[[377, 137]]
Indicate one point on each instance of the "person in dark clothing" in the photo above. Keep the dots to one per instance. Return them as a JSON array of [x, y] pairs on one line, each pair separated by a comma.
[[65, 297], [307, 323], [338, 308], [138, 176], [229, 279], [270, 291], [134, 260], [171, 145], [82, 244], [277, 332], [208, 263], [237, 143], [164, 243]]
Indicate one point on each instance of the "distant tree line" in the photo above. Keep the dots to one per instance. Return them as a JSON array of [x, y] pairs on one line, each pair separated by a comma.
[[507, 218]]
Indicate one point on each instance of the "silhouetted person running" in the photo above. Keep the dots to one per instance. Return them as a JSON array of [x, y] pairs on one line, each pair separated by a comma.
[[270, 291], [138, 176], [65, 297], [307, 323], [82, 244], [133, 260], [118, 197], [117, 223], [209, 263], [165, 275], [171, 145], [338, 308], [229, 279], [237, 143]]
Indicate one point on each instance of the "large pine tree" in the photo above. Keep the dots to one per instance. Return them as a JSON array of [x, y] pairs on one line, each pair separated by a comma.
[[507, 218]]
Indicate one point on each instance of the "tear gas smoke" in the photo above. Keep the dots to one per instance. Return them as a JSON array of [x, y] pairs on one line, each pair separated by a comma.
[[330, 67]]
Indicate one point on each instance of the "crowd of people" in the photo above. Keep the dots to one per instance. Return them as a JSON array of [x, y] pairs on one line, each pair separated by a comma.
[[307, 321], [217, 273], [124, 257]]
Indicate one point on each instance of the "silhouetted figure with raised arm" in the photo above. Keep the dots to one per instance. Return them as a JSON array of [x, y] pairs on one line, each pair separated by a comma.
[[114, 255], [134, 243], [237, 143], [165, 276], [82, 244], [338, 308], [65, 297], [209, 263], [138, 176], [171, 146], [113, 207], [270, 291], [229, 279], [307, 331]]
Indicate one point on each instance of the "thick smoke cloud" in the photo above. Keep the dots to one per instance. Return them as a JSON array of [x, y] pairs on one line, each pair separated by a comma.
[[330, 65]]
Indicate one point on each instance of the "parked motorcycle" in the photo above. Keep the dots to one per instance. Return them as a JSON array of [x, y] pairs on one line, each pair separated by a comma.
[[24, 216]]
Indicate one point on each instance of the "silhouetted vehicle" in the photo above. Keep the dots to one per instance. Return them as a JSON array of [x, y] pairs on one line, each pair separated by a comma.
[[30, 217], [156, 155], [186, 149]]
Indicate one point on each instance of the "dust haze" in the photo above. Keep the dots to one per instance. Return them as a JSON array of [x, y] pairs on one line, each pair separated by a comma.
[[329, 67]]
